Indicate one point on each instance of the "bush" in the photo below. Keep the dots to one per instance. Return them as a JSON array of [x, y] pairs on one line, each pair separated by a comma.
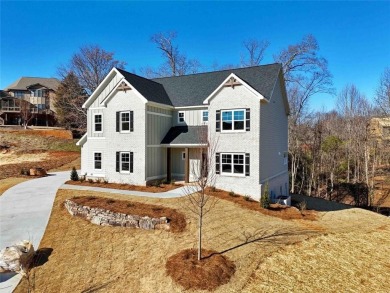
[[232, 194], [213, 189], [302, 206], [73, 175], [247, 198], [264, 200], [25, 171], [91, 180]]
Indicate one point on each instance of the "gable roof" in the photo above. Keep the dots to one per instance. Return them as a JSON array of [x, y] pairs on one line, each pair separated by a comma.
[[151, 90], [193, 89], [24, 82]]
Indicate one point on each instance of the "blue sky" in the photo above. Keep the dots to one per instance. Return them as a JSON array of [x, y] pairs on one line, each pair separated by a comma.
[[36, 37]]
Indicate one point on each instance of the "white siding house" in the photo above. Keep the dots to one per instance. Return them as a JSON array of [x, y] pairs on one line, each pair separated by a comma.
[[141, 130]]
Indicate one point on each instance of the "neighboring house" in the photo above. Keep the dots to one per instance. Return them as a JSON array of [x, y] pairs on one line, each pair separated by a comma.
[[380, 129], [141, 129], [39, 92]]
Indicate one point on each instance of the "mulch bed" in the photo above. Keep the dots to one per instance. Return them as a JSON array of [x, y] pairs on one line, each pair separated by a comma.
[[155, 189], [276, 210], [209, 273], [56, 159], [177, 220]]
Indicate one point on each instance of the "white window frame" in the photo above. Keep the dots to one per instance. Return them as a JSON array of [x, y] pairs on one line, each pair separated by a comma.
[[233, 130], [120, 163], [101, 161], [94, 122], [178, 117], [202, 118], [183, 155], [232, 165], [121, 123]]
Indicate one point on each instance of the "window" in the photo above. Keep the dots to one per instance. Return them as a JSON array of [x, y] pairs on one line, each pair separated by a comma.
[[233, 120], [180, 117], [37, 93], [285, 158], [98, 123], [235, 164], [183, 156], [18, 94], [205, 116], [125, 121], [124, 162], [98, 161]]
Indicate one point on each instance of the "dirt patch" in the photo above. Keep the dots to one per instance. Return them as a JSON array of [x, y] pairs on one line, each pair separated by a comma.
[[155, 189], [177, 220], [211, 272], [276, 210], [58, 133], [8, 158], [52, 160]]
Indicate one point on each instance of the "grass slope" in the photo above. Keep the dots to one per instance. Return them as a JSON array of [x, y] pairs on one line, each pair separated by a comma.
[[270, 254]]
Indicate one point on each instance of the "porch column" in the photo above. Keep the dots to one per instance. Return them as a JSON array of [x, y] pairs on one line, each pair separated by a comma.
[[169, 170], [187, 166]]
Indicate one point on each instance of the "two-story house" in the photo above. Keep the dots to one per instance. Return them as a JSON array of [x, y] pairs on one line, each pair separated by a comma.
[[39, 92], [143, 129]]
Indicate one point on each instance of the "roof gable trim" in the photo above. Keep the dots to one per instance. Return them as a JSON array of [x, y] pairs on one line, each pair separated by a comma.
[[233, 80]]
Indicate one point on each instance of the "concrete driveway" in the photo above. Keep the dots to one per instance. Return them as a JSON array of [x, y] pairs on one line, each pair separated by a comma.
[[24, 213]]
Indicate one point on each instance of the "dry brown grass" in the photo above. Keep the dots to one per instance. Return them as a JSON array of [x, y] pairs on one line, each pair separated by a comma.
[[88, 257], [155, 189], [7, 183], [211, 272], [176, 219]]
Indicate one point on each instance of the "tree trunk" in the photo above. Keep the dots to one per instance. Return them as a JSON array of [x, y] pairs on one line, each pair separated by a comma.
[[200, 233]]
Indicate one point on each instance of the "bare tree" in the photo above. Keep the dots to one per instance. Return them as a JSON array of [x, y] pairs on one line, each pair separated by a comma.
[[175, 63], [306, 74], [91, 65], [26, 112], [70, 97], [255, 50], [383, 93], [203, 174]]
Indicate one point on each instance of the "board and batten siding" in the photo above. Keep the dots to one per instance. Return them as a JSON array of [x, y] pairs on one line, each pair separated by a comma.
[[110, 85], [237, 142], [158, 123], [192, 117], [274, 142]]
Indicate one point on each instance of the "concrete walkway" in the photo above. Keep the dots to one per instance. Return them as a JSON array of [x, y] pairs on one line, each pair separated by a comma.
[[178, 192], [25, 210], [24, 213]]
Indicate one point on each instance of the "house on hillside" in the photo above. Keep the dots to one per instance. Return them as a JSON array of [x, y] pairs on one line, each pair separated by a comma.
[[141, 129], [38, 92], [380, 130]]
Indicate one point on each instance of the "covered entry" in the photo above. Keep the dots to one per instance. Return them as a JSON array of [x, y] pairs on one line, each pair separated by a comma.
[[185, 147]]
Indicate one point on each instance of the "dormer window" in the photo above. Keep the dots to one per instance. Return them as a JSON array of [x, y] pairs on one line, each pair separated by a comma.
[[181, 117], [205, 116], [98, 123]]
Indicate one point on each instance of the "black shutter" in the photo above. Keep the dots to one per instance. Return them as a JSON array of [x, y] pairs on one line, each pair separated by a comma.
[[248, 119], [247, 165], [218, 121], [131, 162], [117, 161], [117, 121], [217, 163], [131, 121]]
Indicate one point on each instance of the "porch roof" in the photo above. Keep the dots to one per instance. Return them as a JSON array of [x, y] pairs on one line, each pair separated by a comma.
[[186, 136]]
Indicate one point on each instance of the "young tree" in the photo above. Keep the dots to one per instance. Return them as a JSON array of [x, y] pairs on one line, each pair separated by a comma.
[[91, 65], [69, 101], [254, 52], [26, 112], [175, 63], [383, 93], [198, 201]]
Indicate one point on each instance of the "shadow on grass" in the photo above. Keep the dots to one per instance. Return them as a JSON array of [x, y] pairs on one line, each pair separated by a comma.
[[41, 256], [275, 237]]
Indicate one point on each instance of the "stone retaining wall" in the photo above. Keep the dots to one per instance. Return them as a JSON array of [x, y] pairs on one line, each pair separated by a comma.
[[104, 217]]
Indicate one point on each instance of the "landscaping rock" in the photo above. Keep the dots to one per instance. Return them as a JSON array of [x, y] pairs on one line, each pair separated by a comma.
[[17, 258], [37, 172], [103, 217]]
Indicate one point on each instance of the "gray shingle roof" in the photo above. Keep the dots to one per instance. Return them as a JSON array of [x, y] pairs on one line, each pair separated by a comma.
[[151, 90], [24, 82], [193, 89], [186, 135]]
